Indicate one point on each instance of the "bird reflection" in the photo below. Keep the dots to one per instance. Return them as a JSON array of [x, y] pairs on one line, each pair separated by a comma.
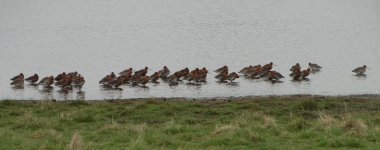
[[18, 87], [112, 93], [46, 90], [233, 84], [361, 76], [81, 95]]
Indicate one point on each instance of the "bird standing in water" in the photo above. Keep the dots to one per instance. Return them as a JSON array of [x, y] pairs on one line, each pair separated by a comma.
[[32, 79], [47, 81], [222, 69], [141, 72], [21, 75], [232, 76], [127, 72], [314, 67], [19, 81], [305, 73], [360, 70], [154, 77], [164, 73], [297, 66]]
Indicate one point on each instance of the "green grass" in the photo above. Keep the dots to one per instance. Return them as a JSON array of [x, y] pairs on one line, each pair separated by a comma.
[[256, 123]]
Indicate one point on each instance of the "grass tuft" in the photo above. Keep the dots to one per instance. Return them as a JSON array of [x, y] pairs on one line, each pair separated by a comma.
[[269, 122], [76, 142]]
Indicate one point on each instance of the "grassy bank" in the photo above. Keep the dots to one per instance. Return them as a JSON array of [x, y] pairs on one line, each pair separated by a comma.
[[262, 123]]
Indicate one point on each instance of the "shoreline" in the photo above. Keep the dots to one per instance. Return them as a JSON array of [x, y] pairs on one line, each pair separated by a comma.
[[220, 99]]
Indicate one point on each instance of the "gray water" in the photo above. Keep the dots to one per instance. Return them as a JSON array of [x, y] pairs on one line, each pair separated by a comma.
[[95, 37]]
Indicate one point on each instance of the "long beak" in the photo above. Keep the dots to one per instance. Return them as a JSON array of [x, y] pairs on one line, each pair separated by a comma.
[[369, 68]]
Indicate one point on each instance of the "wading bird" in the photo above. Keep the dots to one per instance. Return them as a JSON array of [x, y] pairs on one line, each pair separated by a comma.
[[47, 81], [314, 67], [32, 79], [222, 69], [305, 73], [360, 70], [154, 77], [127, 72], [141, 72], [21, 75], [164, 73], [19, 81]]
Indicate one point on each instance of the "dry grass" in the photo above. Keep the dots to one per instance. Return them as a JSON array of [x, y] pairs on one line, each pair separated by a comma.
[[29, 120], [269, 122], [327, 121], [224, 128], [76, 142], [355, 127]]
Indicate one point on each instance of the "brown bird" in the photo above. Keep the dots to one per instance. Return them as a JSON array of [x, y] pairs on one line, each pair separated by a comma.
[[154, 77], [203, 74], [255, 72], [19, 81], [179, 74], [296, 70], [232, 76], [268, 67], [222, 76], [47, 81], [135, 79], [274, 76], [144, 80], [107, 78], [66, 82], [245, 70], [297, 74], [79, 81], [164, 73], [184, 72], [113, 75], [297, 66], [18, 77], [142, 72], [125, 78], [314, 67], [72, 73], [127, 72], [222, 69], [360, 70], [60, 76], [172, 80], [305, 73], [193, 75], [119, 81], [32, 79]]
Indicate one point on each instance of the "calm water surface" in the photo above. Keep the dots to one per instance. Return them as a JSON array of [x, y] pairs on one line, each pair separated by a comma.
[[95, 37]]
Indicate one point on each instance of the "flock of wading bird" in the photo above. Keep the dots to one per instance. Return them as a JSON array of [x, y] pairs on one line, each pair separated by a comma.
[[68, 81]]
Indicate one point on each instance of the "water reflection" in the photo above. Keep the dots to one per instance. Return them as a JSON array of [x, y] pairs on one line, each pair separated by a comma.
[[81, 95], [111, 93], [360, 76], [65, 94], [47, 93], [18, 87]]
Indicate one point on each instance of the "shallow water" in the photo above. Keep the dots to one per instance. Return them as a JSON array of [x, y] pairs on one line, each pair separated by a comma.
[[95, 37]]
